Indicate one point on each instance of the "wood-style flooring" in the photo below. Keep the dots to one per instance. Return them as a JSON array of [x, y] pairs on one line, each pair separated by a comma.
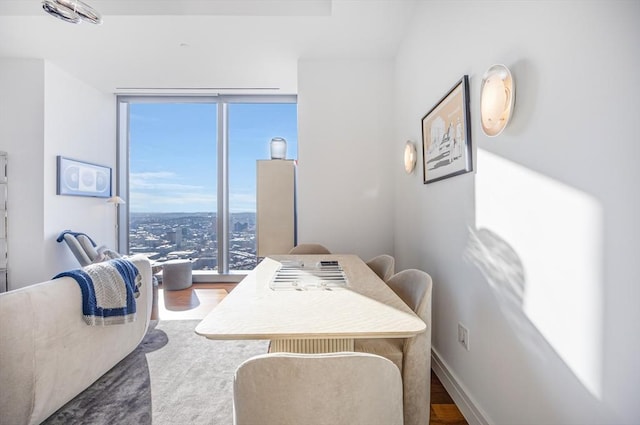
[[195, 302]]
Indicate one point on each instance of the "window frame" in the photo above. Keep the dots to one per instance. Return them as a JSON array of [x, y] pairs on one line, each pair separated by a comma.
[[222, 146]]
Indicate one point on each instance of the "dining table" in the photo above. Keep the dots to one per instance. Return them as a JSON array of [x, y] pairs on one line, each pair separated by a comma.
[[311, 304]]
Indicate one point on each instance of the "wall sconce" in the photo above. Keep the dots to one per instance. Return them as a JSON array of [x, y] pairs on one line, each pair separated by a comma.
[[73, 11], [410, 156], [497, 98]]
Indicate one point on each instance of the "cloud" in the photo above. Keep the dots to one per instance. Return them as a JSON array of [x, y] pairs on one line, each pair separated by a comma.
[[159, 192], [172, 202], [153, 181], [153, 175], [242, 202]]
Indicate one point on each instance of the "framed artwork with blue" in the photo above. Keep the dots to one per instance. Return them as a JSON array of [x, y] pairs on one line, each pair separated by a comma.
[[80, 178]]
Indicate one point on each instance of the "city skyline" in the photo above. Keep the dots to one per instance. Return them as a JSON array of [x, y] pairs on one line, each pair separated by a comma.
[[193, 235]]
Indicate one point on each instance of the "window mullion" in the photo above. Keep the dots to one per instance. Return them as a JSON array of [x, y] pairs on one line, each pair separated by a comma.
[[223, 189]]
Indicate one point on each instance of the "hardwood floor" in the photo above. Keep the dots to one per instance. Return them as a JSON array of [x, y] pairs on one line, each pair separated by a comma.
[[187, 304], [195, 302], [443, 410]]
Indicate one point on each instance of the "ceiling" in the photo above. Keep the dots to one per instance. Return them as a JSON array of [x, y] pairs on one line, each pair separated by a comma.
[[204, 46]]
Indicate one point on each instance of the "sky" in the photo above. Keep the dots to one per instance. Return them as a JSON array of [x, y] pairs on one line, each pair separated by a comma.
[[173, 153]]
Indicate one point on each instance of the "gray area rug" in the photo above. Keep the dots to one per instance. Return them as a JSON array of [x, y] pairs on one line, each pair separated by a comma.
[[173, 377]]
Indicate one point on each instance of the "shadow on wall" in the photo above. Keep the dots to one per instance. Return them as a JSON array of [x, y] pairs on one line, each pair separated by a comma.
[[538, 243], [499, 264], [502, 268]]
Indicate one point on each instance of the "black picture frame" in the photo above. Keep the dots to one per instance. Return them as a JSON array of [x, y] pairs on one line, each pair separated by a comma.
[[446, 135], [80, 178]]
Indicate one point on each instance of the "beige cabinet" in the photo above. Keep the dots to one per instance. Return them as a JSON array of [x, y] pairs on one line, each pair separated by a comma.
[[276, 206]]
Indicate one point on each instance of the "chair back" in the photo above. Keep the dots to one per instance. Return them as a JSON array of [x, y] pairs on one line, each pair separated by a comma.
[[383, 265], [414, 288], [309, 248], [317, 389]]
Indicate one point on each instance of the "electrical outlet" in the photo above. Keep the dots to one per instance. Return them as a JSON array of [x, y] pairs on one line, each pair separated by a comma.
[[463, 336]]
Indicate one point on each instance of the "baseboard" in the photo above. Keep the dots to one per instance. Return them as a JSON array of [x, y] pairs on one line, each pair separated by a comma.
[[460, 396]]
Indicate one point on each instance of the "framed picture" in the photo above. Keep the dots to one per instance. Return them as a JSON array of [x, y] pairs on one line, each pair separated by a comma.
[[446, 135], [81, 178]]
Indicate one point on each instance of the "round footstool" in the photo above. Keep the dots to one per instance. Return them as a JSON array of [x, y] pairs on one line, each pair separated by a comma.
[[176, 274]]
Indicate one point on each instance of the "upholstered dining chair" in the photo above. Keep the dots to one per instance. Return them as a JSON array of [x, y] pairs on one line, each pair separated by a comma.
[[314, 389], [383, 265], [309, 248], [412, 356]]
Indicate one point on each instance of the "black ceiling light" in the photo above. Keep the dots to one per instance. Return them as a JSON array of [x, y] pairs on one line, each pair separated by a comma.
[[74, 11]]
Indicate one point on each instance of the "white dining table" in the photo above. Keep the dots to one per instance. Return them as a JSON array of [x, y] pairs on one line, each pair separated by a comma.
[[308, 316]]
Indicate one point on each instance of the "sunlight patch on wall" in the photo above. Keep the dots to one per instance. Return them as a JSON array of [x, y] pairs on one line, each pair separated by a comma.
[[555, 234]]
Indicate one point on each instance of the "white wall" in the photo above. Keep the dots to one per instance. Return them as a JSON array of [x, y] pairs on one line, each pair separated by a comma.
[[21, 136], [45, 113], [345, 194], [79, 124], [536, 251]]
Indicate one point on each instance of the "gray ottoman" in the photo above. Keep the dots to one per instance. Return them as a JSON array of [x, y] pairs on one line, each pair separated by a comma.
[[176, 274]]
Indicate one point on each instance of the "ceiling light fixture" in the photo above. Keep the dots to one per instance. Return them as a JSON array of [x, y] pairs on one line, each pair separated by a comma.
[[73, 11]]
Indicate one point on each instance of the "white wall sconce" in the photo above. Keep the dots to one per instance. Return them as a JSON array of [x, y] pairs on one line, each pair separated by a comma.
[[410, 156], [497, 98], [73, 11]]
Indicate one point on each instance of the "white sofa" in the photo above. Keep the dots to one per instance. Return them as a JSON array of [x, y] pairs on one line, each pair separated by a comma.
[[48, 354]]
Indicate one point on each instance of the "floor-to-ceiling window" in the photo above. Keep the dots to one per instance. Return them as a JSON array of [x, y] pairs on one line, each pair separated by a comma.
[[251, 127], [187, 170]]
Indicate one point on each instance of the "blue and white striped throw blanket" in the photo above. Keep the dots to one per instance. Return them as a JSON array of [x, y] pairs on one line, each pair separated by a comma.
[[108, 290]]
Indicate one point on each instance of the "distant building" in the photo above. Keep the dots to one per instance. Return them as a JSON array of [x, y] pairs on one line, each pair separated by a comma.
[[240, 227], [205, 263], [166, 236], [175, 237]]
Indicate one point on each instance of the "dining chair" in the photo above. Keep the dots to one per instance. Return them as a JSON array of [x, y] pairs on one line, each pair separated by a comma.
[[383, 265], [317, 389], [412, 356], [309, 248]]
